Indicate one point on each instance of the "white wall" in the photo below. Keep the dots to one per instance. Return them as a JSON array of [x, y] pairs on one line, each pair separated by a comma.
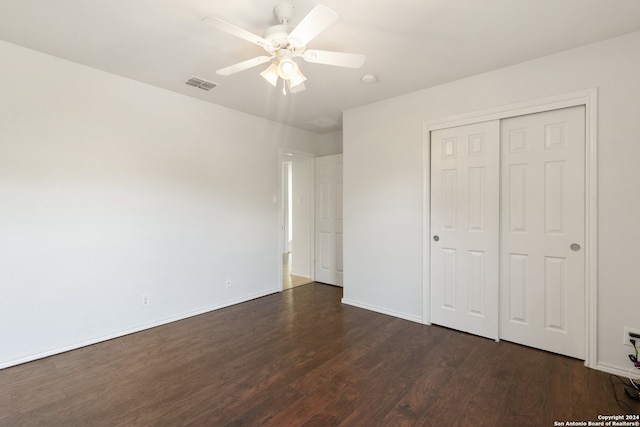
[[329, 143], [383, 180], [110, 188]]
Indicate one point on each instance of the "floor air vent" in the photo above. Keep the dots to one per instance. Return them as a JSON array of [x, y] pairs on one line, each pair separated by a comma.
[[200, 83]]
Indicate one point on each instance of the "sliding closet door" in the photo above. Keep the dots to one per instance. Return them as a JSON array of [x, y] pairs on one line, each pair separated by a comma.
[[465, 226], [542, 295]]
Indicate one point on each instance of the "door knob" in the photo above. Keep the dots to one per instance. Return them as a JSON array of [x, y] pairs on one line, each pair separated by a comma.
[[575, 247], [436, 238]]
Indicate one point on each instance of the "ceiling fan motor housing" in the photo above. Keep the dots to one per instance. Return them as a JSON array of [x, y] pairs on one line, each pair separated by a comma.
[[278, 35]]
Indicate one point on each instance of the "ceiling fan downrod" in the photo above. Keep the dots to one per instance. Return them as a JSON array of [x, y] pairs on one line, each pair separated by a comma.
[[284, 12]]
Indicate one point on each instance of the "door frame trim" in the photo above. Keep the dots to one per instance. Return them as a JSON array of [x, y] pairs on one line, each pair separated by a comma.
[[588, 98]]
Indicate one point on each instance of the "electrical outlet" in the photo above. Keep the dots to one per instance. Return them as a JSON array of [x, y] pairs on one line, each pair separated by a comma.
[[627, 337], [145, 300], [228, 282]]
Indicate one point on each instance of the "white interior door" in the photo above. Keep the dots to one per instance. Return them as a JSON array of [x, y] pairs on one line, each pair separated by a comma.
[[328, 266], [542, 295], [465, 228]]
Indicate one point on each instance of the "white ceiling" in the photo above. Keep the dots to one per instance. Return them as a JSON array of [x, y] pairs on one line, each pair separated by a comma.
[[409, 44]]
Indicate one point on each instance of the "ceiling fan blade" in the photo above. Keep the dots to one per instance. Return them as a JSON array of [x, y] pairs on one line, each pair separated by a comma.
[[244, 65], [313, 24], [236, 31], [341, 59]]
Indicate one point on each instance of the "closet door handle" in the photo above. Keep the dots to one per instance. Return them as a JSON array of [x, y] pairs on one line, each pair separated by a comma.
[[436, 238], [575, 247]]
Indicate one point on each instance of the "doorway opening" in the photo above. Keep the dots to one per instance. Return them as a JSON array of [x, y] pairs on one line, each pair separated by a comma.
[[297, 229]]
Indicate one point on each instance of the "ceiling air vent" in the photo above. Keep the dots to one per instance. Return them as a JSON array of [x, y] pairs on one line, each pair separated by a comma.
[[200, 83]]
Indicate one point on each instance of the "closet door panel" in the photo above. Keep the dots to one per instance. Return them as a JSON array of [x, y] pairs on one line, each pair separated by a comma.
[[542, 290], [464, 227]]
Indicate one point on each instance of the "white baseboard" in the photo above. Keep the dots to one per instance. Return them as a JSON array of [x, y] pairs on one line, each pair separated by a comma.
[[616, 370], [620, 371], [382, 310], [135, 329]]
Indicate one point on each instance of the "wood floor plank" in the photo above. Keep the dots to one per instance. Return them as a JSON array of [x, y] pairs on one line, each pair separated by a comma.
[[305, 408], [261, 413], [527, 394], [488, 394], [452, 353], [297, 358]]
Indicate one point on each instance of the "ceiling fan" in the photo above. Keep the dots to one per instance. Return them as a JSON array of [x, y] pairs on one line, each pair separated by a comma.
[[283, 44]]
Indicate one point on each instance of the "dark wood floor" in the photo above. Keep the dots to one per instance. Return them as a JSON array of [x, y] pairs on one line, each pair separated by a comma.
[[302, 358]]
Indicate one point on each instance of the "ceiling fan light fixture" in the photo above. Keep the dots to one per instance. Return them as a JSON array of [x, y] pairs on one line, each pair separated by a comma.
[[287, 68], [297, 88], [297, 79], [271, 74]]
